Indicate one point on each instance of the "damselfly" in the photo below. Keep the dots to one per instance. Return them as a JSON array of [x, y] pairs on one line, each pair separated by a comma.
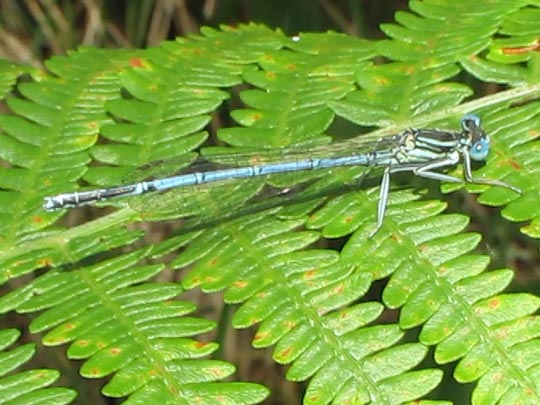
[[420, 151]]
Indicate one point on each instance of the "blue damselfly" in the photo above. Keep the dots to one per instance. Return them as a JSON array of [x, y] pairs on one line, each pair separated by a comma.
[[421, 151]]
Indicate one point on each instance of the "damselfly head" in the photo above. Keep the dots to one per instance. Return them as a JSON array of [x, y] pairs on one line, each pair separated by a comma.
[[479, 141]]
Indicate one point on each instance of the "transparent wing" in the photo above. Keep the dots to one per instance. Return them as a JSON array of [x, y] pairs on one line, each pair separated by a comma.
[[234, 197], [291, 195], [215, 158]]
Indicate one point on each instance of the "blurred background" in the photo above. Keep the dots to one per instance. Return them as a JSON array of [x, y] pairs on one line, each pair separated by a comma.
[[33, 30]]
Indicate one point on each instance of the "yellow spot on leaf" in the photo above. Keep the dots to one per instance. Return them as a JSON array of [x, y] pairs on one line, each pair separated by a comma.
[[310, 274], [407, 69], [289, 324], [45, 261], [95, 371], [382, 81], [443, 270], [285, 353], [498, 377], [240, 284], [338, 289], [115, 351], [260, 336], [494, 303], [40, 374], [200, 345]]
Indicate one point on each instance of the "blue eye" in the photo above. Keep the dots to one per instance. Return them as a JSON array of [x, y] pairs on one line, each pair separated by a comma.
[[480, 149], [468, 119]]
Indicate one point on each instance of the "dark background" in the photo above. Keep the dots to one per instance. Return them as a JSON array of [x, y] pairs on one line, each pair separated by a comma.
[[33, 30]]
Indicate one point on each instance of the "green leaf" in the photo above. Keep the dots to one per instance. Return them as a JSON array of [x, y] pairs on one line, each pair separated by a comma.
[[29, 386]]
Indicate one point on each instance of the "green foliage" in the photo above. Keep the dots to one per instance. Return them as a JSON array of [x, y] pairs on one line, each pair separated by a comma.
[[95, 116], [27, 387]]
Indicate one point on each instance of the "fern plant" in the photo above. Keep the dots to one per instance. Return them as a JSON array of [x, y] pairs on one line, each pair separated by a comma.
[[96, 115]]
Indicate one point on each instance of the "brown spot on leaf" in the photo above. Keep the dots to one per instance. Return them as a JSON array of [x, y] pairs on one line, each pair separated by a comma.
[[136, 62], [535, 46]]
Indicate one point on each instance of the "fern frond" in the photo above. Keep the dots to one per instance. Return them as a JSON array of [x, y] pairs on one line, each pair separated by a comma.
[[27, 387], [304, 301], [9, 73], [70, 105], [131, 330]]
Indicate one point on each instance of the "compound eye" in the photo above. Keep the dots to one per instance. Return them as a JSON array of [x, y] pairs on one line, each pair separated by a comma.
[[480, 149], [469, 120]]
